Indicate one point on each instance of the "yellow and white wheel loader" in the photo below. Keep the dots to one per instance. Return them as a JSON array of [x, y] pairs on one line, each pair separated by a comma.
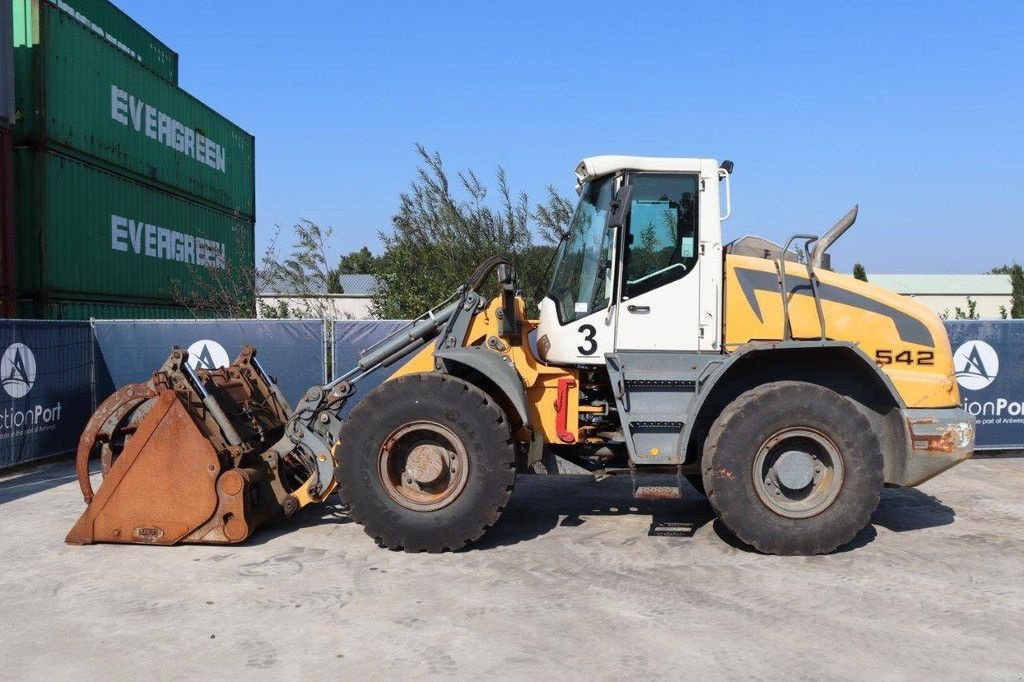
[[787, 393]]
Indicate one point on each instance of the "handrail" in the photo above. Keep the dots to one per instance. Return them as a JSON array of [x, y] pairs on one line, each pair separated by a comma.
[[812, 278], [723, 173]]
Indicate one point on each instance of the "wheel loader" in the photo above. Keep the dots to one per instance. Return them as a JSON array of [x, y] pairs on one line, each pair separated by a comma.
[[786, 393]]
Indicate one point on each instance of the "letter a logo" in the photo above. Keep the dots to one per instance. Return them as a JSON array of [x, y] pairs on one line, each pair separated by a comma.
[[977, 365], [207, 354], [18, 370]]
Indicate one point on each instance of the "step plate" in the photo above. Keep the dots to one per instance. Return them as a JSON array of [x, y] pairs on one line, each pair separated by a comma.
[[657, 492]]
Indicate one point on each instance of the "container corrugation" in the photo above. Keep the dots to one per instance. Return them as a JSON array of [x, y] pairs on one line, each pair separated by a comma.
[[108, 22], [110, 310], [6, 66], [84, 232], [88, 96]]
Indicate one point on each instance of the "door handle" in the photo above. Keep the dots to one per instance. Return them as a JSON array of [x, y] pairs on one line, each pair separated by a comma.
[[638, 308]]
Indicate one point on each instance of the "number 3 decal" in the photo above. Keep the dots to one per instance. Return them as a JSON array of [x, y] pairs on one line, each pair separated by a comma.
[[589, 346]]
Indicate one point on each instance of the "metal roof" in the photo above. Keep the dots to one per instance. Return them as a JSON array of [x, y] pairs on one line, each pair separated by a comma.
[[949, 285], [359, 286]]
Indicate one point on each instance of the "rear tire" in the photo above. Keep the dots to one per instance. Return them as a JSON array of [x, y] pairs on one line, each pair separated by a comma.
[[793, 468], [427, 463]]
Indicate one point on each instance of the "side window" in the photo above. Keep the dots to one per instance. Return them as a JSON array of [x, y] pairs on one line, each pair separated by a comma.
[[662, 242]]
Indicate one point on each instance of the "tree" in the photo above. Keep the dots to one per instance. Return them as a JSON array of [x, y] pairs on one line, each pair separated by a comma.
[[1016, 274], [302, 277], [859, 272], [360, 262], [1016, 292], [444, 229], [224, 288]]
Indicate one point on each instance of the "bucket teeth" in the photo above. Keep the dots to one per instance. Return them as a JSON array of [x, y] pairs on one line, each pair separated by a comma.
[[186, 457]]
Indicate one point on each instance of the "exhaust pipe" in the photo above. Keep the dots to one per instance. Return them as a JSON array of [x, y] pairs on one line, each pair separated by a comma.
[[837, 230]]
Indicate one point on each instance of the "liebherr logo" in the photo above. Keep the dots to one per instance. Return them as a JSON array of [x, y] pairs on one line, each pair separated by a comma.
[[207, 354], [977, 365], [18, 370]]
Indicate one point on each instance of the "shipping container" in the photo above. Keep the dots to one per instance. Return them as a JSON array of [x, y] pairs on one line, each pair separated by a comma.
[[109, 23], [110, 310], [79, 94], [6, 66], [85, 233]]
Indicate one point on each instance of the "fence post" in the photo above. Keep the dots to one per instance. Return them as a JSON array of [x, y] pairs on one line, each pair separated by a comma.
[[92, 362], [328, 344]]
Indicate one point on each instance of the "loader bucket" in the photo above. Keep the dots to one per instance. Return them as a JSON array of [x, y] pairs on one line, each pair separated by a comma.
[[187, 457]]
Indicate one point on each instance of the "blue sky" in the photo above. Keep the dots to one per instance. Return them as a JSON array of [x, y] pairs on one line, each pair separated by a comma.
[[914, 110]]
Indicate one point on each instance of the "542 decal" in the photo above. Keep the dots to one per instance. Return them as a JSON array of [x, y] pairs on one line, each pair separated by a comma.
[[885, 356]]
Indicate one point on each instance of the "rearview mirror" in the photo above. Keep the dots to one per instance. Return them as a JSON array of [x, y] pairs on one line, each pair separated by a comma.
[[620, 206]]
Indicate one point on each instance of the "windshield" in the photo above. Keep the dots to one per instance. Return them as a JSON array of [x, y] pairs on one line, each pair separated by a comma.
[[582, 281]]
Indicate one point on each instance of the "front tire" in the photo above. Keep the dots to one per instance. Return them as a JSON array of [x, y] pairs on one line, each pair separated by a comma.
[[793, 468], [427, 463]]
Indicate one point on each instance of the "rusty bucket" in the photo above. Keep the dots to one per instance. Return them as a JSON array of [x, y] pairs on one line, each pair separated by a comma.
[[188, 457]]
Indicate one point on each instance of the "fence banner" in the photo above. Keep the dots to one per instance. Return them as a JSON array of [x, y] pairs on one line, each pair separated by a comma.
[[130, 351], [988, 355], [353, 336], [46, 395]]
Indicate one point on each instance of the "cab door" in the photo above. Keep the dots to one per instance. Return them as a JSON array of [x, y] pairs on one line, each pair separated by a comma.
[[659, 304]]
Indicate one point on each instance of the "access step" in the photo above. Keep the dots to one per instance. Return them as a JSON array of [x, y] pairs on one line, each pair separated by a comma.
[[657, 492]]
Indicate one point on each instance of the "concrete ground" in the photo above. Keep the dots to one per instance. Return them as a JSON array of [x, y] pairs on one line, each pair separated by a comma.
[[577, 581]]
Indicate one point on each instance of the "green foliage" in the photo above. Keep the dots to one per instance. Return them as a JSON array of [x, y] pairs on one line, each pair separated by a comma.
[[224, 292], [303, 275], [1016, 274], [859, 272], [277, 310], [305, 269], [553, 216], [1003, 312], [1017, 292], [444, 229], [360, 262], [971, 312]]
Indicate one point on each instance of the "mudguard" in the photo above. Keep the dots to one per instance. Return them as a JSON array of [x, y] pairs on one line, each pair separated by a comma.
[[494, 368]]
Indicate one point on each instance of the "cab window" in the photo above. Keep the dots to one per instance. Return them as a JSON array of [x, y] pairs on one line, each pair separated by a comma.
[[661, 246], [582, 281]]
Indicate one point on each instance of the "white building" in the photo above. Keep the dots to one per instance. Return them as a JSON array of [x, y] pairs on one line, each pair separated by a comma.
[[353, 304], [945, 293]]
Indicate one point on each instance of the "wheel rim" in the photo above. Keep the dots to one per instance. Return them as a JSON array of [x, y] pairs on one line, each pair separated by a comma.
[[423, 466], [798, 472]]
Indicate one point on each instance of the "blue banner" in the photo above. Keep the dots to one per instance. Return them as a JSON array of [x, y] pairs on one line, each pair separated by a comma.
[[54, 372], [987, 356], [45, 388], [351, 337], [130, 351]]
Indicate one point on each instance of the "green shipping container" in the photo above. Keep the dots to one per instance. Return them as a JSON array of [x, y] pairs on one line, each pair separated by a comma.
[[85, 233], [77, 92], [110, 310], [107, 21]]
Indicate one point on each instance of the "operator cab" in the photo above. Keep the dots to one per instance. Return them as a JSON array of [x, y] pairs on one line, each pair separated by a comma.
[[640, 267]]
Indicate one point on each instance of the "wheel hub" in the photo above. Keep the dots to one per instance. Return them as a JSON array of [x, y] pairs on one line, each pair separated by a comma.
[[423, 466], [426, 463], [798, 472], [795, 469]]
